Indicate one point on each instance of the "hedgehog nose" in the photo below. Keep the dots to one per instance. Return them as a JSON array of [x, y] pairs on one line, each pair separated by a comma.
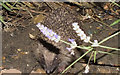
[[49, 71]]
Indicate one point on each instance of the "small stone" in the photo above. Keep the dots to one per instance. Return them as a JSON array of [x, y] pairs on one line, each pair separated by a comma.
[[100, 62], [26, 52], [3, 58], [118, 69], [38, 71], [19, 49], [27, 65], [84, 65], [31, 36]]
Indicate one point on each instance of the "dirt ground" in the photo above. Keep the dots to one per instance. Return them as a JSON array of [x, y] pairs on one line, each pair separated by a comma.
[[17, 45]]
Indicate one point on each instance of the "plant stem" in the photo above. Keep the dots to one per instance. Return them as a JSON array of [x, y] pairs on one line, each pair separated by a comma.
[[83, 47], [65, 42], [95, 56], [76, 46], [77, 60], [108, 38], [109, 47], [90, 57]]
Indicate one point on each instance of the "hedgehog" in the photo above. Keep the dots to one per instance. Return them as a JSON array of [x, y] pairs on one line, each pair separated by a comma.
[[54, 57]]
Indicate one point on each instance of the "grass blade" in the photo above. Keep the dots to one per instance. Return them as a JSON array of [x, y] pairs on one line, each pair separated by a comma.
[[5, 6], [77, 60], [116, 4], [114, 23], [1, 19], [95, 56]]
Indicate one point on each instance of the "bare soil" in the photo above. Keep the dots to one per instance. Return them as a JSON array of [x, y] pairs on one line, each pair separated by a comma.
[[17, 47]]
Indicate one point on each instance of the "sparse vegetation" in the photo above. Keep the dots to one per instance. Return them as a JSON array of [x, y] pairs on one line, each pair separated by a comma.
[[101, 17]]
